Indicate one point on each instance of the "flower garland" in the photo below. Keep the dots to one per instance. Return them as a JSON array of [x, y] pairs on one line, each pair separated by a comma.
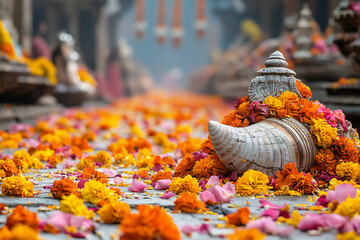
[[333, 146], [6, 45]]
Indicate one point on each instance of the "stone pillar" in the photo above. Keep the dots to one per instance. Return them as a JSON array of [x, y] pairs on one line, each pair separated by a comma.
[[6, 9], [23, 22], [71, 9], [102, 40]]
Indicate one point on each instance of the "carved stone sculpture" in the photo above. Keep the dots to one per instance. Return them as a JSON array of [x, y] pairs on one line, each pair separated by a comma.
[[274, 79]]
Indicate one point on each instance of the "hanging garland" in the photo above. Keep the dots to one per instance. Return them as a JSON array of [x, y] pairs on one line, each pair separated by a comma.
[[140, 24], [160, 30], [178, 31], [201, 23]]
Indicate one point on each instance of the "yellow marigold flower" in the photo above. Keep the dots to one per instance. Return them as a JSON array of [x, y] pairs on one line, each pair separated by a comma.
[[19, 232], [114, 212], [349, 208], [85, 163], [334, 182], [74, 205], [35, 163], [322, 132], [144, 158], [95, 191], [348, 170], [136, 131], [252, 183], [21, 159], [352, 235], [284, 190], [104, 158], [10, 140], [186, 184], [274, 102], [44, 155], [17, 186]]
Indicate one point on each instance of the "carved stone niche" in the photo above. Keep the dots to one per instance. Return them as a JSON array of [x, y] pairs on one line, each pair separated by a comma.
[[273, 80]]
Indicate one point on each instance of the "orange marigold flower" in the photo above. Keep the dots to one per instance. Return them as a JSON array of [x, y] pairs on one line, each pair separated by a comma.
[[114, 212], [189, 145], [19, 232], [207, 147], [188, 202], [151, 222], [17, 186], [247, 234], [91, 173], [185, 166], [9, 167], [104, 158], [326, 160], [303, 89], [161, 175], [209, 166], [20, 215], [63, 187], [86, 162], [345, 150], [300, 182], [143, 173], [240, 217]]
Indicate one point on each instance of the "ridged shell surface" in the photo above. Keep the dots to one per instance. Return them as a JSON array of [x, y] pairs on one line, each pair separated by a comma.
[[265, 146]]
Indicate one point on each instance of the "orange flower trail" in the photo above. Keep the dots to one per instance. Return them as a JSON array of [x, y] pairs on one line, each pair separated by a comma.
[[144, 168]]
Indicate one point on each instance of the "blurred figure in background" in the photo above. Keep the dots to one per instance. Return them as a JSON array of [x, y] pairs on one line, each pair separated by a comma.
[[40, 47], [67, 62]]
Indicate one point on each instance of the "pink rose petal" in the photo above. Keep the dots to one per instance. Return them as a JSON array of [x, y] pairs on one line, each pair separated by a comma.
[[207, 196], [167, 195], [109, 172], [137, 186], [162, 184]]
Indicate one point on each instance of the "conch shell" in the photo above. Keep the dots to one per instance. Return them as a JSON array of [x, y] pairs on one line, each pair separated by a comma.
[[265, 146]]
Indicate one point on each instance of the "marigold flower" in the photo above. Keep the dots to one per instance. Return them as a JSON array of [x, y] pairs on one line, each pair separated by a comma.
[[189, 203], [303, 89], [345, 149], [240, 217], [189, 145], [209, 166], [91, 173], [86, 162], [114, 212], [252, 183], [348, 170], [248, 234], [326, 160], [74, 205], [17, 186], [185, 166], [63, 187], [95, 191], [161, 175], [300, 182], [19, 232], [104, 158], [186, 184], [9, 168], [151, 222], [349, 208], [20, 215], [322, 133]]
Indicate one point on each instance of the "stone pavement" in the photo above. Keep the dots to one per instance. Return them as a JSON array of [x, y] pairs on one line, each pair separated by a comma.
[[42, 178]]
